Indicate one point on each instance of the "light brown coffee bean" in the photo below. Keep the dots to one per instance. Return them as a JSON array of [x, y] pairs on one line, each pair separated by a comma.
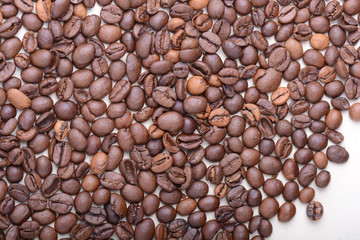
[[18, 99]]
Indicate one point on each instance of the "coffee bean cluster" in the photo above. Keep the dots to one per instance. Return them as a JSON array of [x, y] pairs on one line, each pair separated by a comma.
[[132, 114]]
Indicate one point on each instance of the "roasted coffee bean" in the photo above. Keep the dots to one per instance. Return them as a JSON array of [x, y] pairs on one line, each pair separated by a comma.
[[7, 205], [95, 216], [210, 229], [283, 147], [50, 185], [337, 154], [220, 190], [351, 88], [306, 195], [161, 162], [19, 192], [323, 179], [303, 155], [81, 230], [112, 180], [62, 154], [124, 230], [209, 42], [237, 196], [166, 214], [354, 112], [291, 191], [224, 213], [258, 40], [135, 214], [61, 203], [178, 227], [307, 174], [230, 163], [33, 182], [10, 27], [314, 210], [197, 189], [145, 229], [4, 222], [301, 121], [243, 26]]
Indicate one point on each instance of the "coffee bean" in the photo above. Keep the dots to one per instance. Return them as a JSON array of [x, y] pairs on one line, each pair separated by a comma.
[[354, 112], [269, 207], [135, 213], [29, 229], [314, 210], [197, 189], [291, 191], [351, 88], [237, 196], [283, 147], [19, 192], [287, 14], [81, 230], [337, 154], [307, 174], [273, 187], [209, 42], [286, 212], [95, 216], [229, 76], [230, 163], [61, 203], [4, 222], [178, 227], [145, 229], [258, 40], [124, 230], [164, 96]]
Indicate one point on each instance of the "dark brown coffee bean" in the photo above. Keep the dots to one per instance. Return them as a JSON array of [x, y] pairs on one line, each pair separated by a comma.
[[270, 165], [19, 192], [307, 174], [258, 40], [243, 26], [283, 147], [178, 227], [124, 230], [237, 196], [334, 136], [145, 229], [351, 88], [337, 154], [323, 179], [80, 230], [4, 222], [95, 216], [229, 76], [61, 203], [111, 14], [291, 191], [209, 42], [10, 27]]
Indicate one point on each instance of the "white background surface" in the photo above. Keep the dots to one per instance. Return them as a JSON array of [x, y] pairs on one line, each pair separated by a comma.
[[340, 199]]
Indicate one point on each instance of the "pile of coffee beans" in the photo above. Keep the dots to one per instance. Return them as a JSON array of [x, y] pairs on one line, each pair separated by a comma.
[[167, 119]]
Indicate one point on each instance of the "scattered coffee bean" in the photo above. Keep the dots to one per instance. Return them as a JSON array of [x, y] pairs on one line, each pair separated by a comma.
[[314, 210]]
